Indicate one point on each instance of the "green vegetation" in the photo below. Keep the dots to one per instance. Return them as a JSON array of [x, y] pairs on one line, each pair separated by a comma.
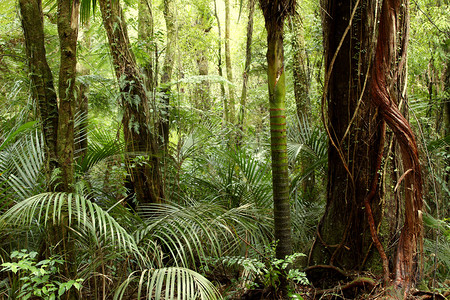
[[217, 149]]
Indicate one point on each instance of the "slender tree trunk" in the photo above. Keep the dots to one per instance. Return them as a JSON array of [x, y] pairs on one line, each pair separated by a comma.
[[248, 61], [146, 177], [203, 97], [300, 68], [82, 102], [301, 76], [169, 17], [274, 15], [231, 92], [67, 20], [219, 66], [41, 76], [145, 35]]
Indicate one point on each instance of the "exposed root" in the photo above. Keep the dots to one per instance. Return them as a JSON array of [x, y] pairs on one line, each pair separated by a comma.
[[362, 282]]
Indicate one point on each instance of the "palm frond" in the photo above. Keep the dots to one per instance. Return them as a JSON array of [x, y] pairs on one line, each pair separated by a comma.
[[26, 159], [80, 212], [303, 138], [102, 145], [169, 283], [188, 234]]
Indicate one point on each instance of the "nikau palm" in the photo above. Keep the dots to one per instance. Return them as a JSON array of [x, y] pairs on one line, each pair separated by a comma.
[[275, 13]]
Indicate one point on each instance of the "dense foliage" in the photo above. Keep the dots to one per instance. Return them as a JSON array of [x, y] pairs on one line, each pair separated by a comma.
[[211, 236]]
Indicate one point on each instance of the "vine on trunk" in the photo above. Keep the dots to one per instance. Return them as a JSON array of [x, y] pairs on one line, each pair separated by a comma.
[[410, 238]]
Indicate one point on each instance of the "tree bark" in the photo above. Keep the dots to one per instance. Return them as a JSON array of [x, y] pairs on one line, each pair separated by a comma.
[[301, 76], [67, 20], [41, 76], [355, 132], [145, 35], [248, 61], [300, 68], [219, 66], [203, 22], [231, 92], [139, 139], [169, 17], [82, 102]]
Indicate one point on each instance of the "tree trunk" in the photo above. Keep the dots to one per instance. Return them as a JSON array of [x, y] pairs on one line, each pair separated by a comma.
[[219, 66], [145, 176], [67, 20], [248, 61], [301, 76], [410, 243], [41, 77], [145, 35], [203, 22], [355, 131], [300, 68], [231, 92], [82, 102], [169, 17], [274, 15]]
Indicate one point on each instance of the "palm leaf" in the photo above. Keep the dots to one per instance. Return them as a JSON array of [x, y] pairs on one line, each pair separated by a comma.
[[169, 283], [80, 212]]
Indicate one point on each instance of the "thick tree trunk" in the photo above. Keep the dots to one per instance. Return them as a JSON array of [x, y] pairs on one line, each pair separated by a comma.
[[355, 132], [169, 17], [41, 76], [231, 92], [146, 177]]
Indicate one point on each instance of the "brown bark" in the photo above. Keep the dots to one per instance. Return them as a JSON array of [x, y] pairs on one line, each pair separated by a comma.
[[41, 76], [410, 238], [146, 177], [354, 129], [67, 20]]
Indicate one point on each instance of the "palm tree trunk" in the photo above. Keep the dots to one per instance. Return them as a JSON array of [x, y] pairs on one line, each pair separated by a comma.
[[274, 14]]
